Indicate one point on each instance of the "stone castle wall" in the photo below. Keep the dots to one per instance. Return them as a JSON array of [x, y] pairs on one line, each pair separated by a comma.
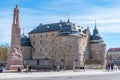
[[61, 48], [26, 52], [98, 53]]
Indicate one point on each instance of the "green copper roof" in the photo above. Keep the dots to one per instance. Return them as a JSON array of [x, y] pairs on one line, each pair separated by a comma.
[[25, 41], [96, 35]]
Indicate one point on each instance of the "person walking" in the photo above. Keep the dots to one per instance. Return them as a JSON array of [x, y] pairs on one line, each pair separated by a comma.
[[1, 69], [54, 67], [108, 66], [19, 70], [29, 69], [58, 68], [112, 66]]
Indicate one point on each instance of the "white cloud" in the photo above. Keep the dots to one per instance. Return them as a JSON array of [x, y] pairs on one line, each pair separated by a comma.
[[81, 13]]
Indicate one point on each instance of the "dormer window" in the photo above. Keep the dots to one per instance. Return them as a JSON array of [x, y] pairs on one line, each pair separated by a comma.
[[79, 30], [60, 25], [48, 27], [35, 29]]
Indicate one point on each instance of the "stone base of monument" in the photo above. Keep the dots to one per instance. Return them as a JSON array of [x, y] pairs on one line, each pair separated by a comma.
[[15, 67], [14, 64]]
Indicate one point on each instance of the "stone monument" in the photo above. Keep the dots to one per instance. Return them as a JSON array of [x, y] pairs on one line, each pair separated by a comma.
[[15, 59]]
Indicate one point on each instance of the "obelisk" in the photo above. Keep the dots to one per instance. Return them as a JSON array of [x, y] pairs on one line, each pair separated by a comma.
[[15, 59]]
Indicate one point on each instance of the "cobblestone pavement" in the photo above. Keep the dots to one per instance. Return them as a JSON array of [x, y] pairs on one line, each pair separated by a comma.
[[81, 77]]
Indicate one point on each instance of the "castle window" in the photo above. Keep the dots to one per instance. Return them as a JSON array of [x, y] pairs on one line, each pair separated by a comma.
[[40, 49], [52, 48], [46, 35], [70, 47], [53, 41], [45, 49], [79, 30], [33, 36], [41, 36], [34, 42], [60, 38], [53, 34], [40, 42], [38, 62], [33, 49], [91, 57], [52, 56]]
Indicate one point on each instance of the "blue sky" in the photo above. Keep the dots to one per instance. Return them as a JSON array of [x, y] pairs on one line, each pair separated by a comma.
[[106, 13]]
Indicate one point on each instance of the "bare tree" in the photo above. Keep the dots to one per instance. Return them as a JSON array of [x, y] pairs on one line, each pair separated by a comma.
[[4, 50]]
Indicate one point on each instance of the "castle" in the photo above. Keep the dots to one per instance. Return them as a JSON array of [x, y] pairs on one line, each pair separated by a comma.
[[62, 43]]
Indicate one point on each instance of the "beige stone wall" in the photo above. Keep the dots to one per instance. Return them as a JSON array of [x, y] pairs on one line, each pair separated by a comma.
[[26, 52], [61, 48], [87, 45], [66, 50], [70, 47], [42, 44], [98, 52]]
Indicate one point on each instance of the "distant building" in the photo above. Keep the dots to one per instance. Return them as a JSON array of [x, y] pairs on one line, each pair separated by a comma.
[[113, 55], [64, 44]]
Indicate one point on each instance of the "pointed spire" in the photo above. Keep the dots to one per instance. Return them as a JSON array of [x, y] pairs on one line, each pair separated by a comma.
[[23, 31], [95, 25], [95, 31], [68, 20], [22, 34]]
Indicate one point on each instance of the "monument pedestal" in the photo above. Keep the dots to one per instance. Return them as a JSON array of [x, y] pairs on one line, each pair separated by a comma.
[[15, 67], [14, 64]]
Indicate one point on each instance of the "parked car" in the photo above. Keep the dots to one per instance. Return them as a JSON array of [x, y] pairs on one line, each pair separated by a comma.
[[1, 70]]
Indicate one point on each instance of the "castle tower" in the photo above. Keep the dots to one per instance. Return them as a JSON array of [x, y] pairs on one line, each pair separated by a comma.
[[15, 59], [97, 48]]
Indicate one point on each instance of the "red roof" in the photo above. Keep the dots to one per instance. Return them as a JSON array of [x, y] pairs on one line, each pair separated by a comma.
[[113, 49]]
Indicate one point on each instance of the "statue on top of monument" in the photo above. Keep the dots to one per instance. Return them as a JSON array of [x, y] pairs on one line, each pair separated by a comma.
[[16, 15]]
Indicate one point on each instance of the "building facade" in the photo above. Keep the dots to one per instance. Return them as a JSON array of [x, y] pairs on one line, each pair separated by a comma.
[[64, 44], [113, 55]]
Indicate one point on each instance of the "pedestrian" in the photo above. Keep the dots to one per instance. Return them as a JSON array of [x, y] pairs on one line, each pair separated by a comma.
[[108, 67], [115, 67], [27, 66], [1, 69], [112, 66], [29, 69], [54, 67], [58, 68], [19, 70]]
